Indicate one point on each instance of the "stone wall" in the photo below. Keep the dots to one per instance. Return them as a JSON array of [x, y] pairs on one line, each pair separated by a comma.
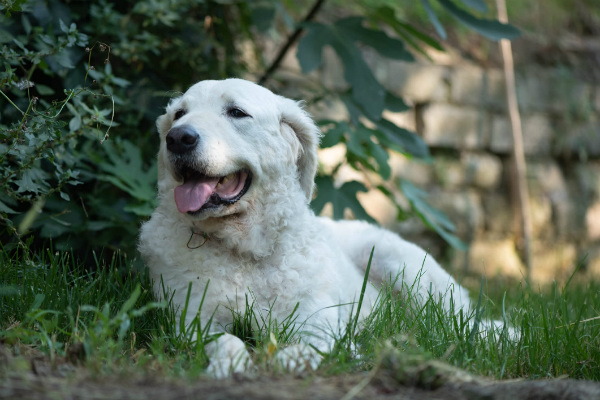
[[459, 109]]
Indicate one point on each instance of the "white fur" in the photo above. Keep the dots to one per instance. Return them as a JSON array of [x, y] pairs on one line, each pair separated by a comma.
[[269, 242]]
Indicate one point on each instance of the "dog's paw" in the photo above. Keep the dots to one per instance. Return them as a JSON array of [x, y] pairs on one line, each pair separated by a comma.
[[298, 358], [221, 368], [227, 356]]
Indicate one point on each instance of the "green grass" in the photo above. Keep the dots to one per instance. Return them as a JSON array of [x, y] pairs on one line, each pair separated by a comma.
[[51, 303]]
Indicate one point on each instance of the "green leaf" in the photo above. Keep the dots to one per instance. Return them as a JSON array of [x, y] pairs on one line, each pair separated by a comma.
[[395, 103], [310, 46], [262, 17], [419, 35], [65, 58], [364, 150], [6, 209], [366, 90], [340, 198], [478, 5], [401, 139], [125, 170], [335, 135], [143, 209], [353, 28], [358, 138], [408, 33], [434, 19], [381, 157], [75, 123], [63, 27], [26, 24], [354, 110], [432, 217], [491, 29], [33, 180], [64, 196], [44, 90]]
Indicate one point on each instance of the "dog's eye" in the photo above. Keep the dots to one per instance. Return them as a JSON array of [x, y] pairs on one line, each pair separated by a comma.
[[178, 114], [234, 112]]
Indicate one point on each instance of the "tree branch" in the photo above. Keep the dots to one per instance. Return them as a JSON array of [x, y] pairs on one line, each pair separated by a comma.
[[520, 167], [291, 40]]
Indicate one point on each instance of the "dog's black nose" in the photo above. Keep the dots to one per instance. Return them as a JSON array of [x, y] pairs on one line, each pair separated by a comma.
[[182, 139]]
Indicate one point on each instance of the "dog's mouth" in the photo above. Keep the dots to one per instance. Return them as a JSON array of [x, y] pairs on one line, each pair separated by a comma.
[[200, 192]]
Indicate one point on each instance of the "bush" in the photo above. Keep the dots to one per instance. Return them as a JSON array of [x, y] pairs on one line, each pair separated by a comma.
[[78, 73]]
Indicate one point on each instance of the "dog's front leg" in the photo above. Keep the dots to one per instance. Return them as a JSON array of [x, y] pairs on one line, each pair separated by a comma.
[[227, 356]]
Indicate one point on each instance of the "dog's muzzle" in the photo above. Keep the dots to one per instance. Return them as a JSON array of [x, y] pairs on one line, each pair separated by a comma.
[[182, 139], [201, 191]]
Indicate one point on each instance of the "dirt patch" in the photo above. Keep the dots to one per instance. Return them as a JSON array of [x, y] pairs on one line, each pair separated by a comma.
[[31, 377]]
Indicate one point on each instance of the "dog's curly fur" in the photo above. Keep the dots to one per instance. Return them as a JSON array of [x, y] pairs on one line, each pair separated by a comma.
[[267, 241]]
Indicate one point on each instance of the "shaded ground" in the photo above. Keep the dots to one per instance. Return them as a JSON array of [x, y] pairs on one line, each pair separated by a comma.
[[395, 378]]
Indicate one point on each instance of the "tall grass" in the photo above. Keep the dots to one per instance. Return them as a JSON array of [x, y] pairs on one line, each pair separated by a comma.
[[51, 302]]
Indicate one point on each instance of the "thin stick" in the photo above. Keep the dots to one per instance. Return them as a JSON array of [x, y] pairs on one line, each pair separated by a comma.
[[518, 153], [291, 40]]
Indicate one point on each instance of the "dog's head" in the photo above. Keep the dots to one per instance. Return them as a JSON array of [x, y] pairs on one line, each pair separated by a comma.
[[223, 142]]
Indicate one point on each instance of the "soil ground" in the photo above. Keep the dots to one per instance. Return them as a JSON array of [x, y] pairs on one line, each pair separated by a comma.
[[34, 377]]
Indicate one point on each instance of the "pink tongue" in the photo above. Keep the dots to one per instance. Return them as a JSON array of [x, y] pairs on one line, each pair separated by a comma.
[[192, 195]]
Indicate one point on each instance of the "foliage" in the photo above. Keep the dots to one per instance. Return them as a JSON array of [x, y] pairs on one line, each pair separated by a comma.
[[75, 72]]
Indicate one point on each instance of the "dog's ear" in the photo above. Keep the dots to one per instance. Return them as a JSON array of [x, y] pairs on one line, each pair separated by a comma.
[[308, 134]]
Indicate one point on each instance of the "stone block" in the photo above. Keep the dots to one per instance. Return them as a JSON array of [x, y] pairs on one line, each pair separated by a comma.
[[495, 257], [549, 192], [496, 89], [457, 127], [471, 169], [554, 89], [538, 134], [546, 177], [449, 172], [498, 215], [331, 157], [593, 263], [533, 90], [468, 85], [553, 261], [404, 120], [483, 170], [588, 179], [418, 172], [475, 86], [464, 209], [417, 83], [378, 206], [580, 140], [540, 210], [592, 221]]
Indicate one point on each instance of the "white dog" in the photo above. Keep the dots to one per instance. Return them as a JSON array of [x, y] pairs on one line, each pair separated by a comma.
[[236, 175]]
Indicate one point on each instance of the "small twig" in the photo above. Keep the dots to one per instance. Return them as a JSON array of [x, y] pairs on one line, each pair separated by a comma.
[[204, 236], [291, 40], [579, 322], [11, 103]]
